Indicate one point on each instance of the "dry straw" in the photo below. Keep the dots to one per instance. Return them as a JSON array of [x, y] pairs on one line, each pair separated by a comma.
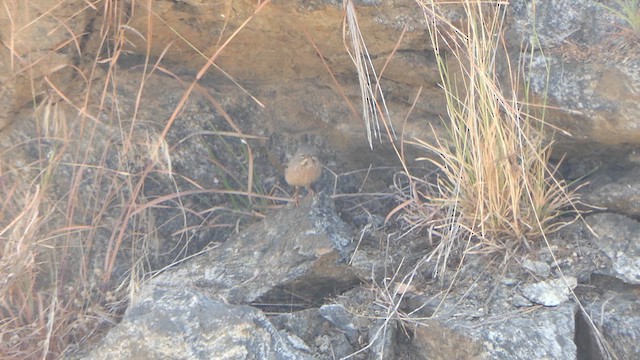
[[495, 189]]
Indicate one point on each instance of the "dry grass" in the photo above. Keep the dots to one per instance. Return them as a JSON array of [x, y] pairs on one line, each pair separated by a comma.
[[495, 190], [78, 233], [374, 107]]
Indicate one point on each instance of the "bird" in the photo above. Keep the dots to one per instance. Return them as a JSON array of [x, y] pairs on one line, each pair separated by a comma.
[[303, 169]]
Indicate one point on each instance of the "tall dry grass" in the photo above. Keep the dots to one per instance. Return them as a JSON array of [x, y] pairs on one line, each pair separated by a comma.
[[496, 191], [374, 107], [78, 233]]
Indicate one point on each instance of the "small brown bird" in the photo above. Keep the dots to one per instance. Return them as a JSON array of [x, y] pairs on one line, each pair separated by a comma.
[[303, 170]]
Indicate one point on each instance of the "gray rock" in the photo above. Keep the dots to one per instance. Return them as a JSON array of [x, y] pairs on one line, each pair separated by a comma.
[[382, 339], [436, 340], [546, 333], [538, 268], [550, 292], [617, 192], [508, 281], [520, 301], [605, 244], [487, 319], [581, 65], [616, 315], [619, 241], [324, 340], [295, 254], [304, 324], [621, 195], [551, 22], [336, 345], [337, 315], [185, 324]]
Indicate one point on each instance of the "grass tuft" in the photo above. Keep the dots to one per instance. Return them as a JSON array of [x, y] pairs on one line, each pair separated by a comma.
[[494, 186]]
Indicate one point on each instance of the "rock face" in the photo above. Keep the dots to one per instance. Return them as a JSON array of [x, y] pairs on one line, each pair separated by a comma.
[[616, 320], [185, 324], [300, 43], [290, 261], [295, 266], [492, 322], [597, 95], [617, 190], [501, 337], [550, 293], [496, 320], [619, 246], [37, 46], [296, 254], [607, 267], [591, 60]]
